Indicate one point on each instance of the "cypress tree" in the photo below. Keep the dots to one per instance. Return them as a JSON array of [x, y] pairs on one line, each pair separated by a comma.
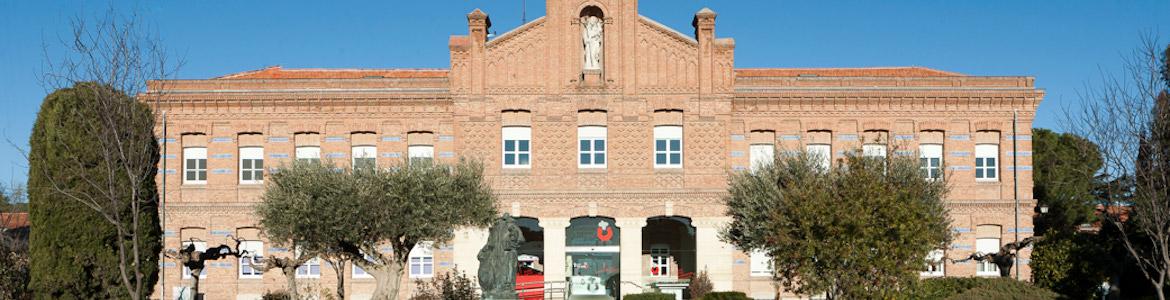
[[79, 190]]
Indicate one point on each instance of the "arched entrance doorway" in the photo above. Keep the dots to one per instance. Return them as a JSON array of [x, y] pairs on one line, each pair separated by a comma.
[[592, 255], [530, 265], [668, 244]]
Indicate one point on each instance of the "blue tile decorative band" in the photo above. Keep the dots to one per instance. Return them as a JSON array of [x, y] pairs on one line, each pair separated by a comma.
[[1022, 230], [222, 156], [278, 155], [446, 138], [960, 153], [168, 171], [446, 154], [221, 171], [1022, 168], [961, 230], [847, 137], [961, 247], [278, 140], [789, 137], [737, 154], [221, 232], [739, 168], [737, 137], [334, 139], [221, 140], [904, 137], [391, 139], [335, 155], [1018, 137], [959, 168], [904, 153], [170, 156], [740, 262], [444, 264], [168, 233], [959, 137], [391, 155], [1020, 153], [166, 140]]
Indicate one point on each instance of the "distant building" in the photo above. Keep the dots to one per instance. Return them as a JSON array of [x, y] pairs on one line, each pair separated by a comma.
[[612, 143]]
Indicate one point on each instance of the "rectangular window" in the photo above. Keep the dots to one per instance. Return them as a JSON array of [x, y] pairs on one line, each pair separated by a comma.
[[822, 154], [873, 150], [761, 264], [517, 147], [310, 269], [660, 261], [986, 165], [591, 146], [364, 157], [201, 247], [986, 245], [762, 155], [309, 154], [668, 146], [358, 272], [421, 154], [935, 264], [254, 249], [195, 165], [931, 155], [422, 260], [251, 165]]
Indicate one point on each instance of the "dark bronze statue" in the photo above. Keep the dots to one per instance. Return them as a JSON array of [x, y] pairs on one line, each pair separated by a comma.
[[497, 259]]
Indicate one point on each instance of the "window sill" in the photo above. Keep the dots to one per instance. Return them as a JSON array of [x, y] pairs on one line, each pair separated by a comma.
[[251, 185], [592, 170], [987, 181], [516, 171], [194, 186]]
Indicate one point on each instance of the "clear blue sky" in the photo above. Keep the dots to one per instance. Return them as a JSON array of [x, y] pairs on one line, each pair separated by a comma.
[[1064, 44]]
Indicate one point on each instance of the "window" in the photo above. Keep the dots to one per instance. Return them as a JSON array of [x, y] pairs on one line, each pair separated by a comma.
[[931, 158], [358, 272], [254, 249], [761, 264], [668, 147], [822, 154], [935, 263], [309, 154], [591, 147], [987, 245], [201, 247], [364, 157], [762, 155], [195, 165], [251, 165], [873, 150], [517, 148], [660, 260], [420, 154], [986, 168], [310, 269], [422, 260]]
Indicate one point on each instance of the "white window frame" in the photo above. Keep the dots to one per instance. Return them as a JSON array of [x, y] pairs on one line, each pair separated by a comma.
[[249, 157], [308, 153], [358, 272], [420, 153], [986, 267], [936, 264], [423, 257], [762, 155], [874, 150], [931, 158], [200, 246], [306, 270], [198, 157], [255, 249], [588, 139], [660, 258], [665, 135], [520, 137], [822, 154], [987, 161], [761, 264], [363, 152]]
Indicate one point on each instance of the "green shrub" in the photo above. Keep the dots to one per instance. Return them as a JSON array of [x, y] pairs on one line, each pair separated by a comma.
[[726, 296], [277, 295], [649, 296], [963, 288], [454, 285], [700, 285]]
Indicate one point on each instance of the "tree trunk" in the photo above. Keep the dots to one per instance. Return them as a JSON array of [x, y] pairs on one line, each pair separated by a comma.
[[389, 278], [195, 286], [290, 275], [339, 269]]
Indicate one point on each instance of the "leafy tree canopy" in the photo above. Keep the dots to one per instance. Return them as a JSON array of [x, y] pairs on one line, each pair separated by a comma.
[[860, 229], [1066, 166], [353, 213]]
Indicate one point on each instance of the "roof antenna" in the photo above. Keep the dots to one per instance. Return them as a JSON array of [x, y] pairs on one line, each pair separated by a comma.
[[523, 12]]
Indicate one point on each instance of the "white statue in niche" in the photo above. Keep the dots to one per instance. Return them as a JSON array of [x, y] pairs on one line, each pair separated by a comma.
[[591, 36]]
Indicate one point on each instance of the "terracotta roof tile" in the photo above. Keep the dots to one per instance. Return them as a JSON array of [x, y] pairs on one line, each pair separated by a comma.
[[13, 220], [845, 72], [280, 73]]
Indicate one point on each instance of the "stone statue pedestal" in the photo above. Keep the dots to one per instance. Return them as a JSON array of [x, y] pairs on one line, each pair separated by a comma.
[[592, 78]]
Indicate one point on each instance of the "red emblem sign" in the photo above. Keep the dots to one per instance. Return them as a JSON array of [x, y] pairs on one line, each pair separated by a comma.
[[604, 233]]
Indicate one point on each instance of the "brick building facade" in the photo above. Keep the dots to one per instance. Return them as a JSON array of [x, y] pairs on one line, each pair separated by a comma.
[[638, 148]]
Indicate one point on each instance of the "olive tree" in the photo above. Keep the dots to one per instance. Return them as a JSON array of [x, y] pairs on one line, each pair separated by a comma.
[[859, 229], [353, 214]]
